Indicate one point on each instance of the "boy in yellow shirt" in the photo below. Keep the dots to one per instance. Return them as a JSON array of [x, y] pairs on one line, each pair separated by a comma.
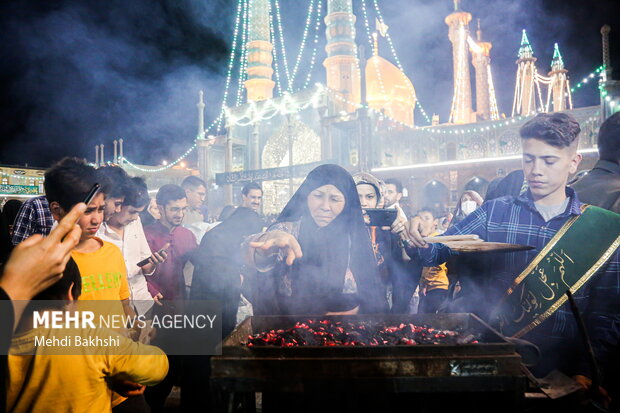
[[101, 264], [73, 383]]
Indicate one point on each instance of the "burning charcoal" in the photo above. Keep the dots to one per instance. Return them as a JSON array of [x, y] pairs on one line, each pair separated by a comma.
[[335, 333]]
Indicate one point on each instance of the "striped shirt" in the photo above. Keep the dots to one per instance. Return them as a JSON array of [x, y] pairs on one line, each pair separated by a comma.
[[517, 221]]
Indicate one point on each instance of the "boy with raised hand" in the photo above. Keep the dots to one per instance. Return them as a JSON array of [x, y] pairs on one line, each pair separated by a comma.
[[101, 264], [524, 292]]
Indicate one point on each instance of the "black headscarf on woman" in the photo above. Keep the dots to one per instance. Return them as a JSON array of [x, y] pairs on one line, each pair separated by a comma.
[[317, 279]]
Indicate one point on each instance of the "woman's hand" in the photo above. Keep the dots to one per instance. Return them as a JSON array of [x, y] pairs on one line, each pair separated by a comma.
[[273, 241]]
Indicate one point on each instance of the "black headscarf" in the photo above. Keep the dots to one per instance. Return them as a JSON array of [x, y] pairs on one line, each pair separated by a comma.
[[317, 279]]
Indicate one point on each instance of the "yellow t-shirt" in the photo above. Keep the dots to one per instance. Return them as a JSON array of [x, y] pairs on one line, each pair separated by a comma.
[[104, 275], [75, 383]]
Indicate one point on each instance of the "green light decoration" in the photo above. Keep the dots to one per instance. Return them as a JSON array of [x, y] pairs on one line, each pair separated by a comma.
[[586, 79], [38, 178]]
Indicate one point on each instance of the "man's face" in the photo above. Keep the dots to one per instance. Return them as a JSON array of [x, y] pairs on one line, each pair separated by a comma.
[[92, 218], [196, 196], [173, 212], [252, 199], [392, 196], [112, 206], [547, 169], [127, 215]]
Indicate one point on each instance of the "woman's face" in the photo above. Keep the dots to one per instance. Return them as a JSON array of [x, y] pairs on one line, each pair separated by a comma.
[[368, 195], [466, 197], [325, 204]]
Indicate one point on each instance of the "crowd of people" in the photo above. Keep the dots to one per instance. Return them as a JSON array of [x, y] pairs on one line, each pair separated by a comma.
[[344, 244]]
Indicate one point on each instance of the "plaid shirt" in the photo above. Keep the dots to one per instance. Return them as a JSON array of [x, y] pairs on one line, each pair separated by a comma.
[[516, 220], [34, 217]]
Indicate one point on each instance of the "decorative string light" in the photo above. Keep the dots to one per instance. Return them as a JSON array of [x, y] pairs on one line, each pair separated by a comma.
[[267, 109], [317, 27], [38, 178], [370, 44], [243, 64], [231, 60], [282, 45], [396, 59], [304, 38], [275, 52], [492, 99], [434, 130], [585, 80]]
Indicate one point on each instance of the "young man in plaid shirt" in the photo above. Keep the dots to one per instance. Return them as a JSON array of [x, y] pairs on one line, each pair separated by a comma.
[[549, 143]]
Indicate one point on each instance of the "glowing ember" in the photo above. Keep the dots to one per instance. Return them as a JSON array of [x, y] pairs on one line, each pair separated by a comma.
[[338, 333]]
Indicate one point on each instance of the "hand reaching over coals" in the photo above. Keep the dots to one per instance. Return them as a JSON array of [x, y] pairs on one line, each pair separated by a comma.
[[272, 242]]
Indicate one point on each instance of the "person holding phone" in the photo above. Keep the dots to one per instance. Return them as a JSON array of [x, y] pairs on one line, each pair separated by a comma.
[[386, 228], [124, 230], [317, 258]]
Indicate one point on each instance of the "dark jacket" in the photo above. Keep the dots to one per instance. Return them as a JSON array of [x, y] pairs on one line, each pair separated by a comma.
[[601, 186], [218, 263]]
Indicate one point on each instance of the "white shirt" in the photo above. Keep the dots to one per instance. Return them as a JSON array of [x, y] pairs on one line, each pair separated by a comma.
[[135, 248]]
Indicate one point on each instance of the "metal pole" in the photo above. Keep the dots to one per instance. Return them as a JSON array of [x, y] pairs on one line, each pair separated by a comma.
[[201, 116], [102, 156], [96, 155], [120, 141], [115, 152], [254, 148]]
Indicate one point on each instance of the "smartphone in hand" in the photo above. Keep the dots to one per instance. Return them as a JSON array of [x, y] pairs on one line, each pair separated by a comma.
[[147, 260], [378, 217]]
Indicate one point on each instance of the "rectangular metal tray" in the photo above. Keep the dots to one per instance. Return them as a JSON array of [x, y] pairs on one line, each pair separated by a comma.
[[490, 365]]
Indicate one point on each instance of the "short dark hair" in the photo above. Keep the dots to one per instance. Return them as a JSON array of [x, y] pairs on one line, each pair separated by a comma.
[[396, 183], [169, 192], [249, 186], [68, 182], [138, 195], [115, 182], [609, 139], [58, 290], [193, 181], [430, 210], [555, 129]]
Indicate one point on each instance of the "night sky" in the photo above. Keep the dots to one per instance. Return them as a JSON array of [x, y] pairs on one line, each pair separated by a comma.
[[74, 74]]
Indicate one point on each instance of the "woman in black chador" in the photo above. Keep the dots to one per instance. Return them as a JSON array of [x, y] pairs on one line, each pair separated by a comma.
[[317, 258]]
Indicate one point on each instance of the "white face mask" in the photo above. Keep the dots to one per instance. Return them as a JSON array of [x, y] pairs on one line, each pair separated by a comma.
[[468, 207]]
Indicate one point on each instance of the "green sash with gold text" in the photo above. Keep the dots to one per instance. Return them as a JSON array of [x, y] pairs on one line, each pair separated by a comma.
[[579, 249]]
